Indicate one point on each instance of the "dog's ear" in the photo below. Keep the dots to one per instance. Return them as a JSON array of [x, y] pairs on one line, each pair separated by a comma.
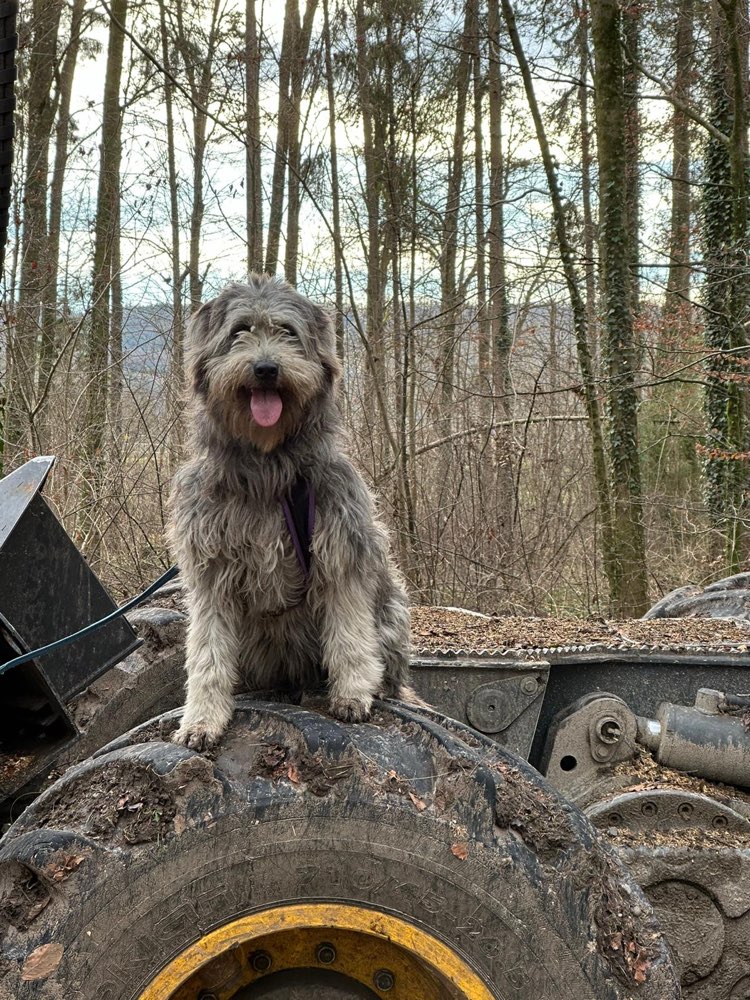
[[327, 343], [198, 332], [200, 322]]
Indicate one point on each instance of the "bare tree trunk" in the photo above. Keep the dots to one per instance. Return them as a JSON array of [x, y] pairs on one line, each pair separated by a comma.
[[35, 255], [335, 195], [450, 305], [176, 376], [106, 233], [483, 347], [288, 42], [589, 386], [253, 166], [200, 90], [47, 347], [678, 282], [630, 593], [301, 49], [589, 228], [631, 32], [498, 292], [116, 379], [726, 236], [374, 157]]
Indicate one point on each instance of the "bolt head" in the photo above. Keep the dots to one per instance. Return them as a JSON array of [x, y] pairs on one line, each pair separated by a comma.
[[261, 961], [384, 980], [529, 685], [609, 730], [325, 953]]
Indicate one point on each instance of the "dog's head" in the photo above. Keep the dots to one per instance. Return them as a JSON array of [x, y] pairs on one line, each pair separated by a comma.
[[259, 356]]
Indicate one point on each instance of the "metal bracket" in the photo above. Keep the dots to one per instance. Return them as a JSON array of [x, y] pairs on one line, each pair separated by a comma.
[[499, 697], [585, 740]]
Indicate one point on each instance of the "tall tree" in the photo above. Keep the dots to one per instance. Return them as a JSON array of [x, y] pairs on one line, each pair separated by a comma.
[[483, 333], [589, 384], [47, 348], [253, 165], [338, 270], [498, 301], [589, 229], [678, 282], [726, 240], [303, 34], [283, 119], [631, 13], [106, 233], [450, 308], [35, 251], [176, 381], [374, 155], [197, 37], [630, 591]]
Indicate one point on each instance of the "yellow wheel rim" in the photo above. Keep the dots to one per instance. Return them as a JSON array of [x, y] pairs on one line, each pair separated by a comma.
[[375, 949]]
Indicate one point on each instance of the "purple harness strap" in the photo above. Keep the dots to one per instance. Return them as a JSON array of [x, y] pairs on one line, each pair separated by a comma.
[[299, 514]]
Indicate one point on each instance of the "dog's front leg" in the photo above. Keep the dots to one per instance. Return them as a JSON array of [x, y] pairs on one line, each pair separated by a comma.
[[350, 651], [212, 656]]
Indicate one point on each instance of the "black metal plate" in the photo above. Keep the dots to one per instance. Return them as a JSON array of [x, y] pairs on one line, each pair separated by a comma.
[[47, 590]]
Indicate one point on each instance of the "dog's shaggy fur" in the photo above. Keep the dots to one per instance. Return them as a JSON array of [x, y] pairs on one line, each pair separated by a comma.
[[262, 368]]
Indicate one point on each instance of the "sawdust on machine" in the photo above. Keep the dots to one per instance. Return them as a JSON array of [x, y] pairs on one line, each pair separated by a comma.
[[435, 628]]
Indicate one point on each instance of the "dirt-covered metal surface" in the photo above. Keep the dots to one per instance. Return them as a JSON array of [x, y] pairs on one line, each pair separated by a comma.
[[436, 630]]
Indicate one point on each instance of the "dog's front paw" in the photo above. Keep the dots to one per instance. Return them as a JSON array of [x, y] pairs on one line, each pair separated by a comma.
[[351, 709], [197, 735]]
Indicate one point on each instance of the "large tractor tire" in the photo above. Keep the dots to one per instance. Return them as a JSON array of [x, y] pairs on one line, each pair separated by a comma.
[[307, 858], [726, 598]]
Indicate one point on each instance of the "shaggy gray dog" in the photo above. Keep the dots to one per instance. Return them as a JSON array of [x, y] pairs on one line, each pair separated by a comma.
[[265, 442]]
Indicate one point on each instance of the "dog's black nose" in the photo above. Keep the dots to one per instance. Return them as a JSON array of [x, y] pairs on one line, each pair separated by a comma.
[[265, 369]]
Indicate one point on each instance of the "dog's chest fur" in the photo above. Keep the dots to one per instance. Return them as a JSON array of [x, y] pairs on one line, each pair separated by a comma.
[[255, 555]]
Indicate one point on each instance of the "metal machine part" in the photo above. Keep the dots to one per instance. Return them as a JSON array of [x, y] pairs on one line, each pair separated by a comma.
[[659, 810], [702, 899], [600, 730], [47, 590], [499, 697], [704, 739], [585, 740]]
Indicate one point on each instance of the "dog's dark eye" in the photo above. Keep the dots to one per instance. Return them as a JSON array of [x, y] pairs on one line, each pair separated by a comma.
[[236, 330], [287, 331]]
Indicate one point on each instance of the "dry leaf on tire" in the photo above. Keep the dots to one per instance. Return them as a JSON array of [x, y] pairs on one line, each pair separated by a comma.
[[460, 850], [42, 962]]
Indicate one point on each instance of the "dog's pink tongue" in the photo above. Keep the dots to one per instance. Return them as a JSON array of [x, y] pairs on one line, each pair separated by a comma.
[[266, 406]]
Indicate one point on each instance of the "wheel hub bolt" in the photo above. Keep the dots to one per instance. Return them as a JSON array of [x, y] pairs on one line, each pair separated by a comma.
[[529, 685], [609, 730], [325, 953], [384, 980], [260, 961]]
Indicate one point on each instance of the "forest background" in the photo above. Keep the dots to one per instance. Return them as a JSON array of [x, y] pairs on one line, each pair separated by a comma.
[[530, 221]]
